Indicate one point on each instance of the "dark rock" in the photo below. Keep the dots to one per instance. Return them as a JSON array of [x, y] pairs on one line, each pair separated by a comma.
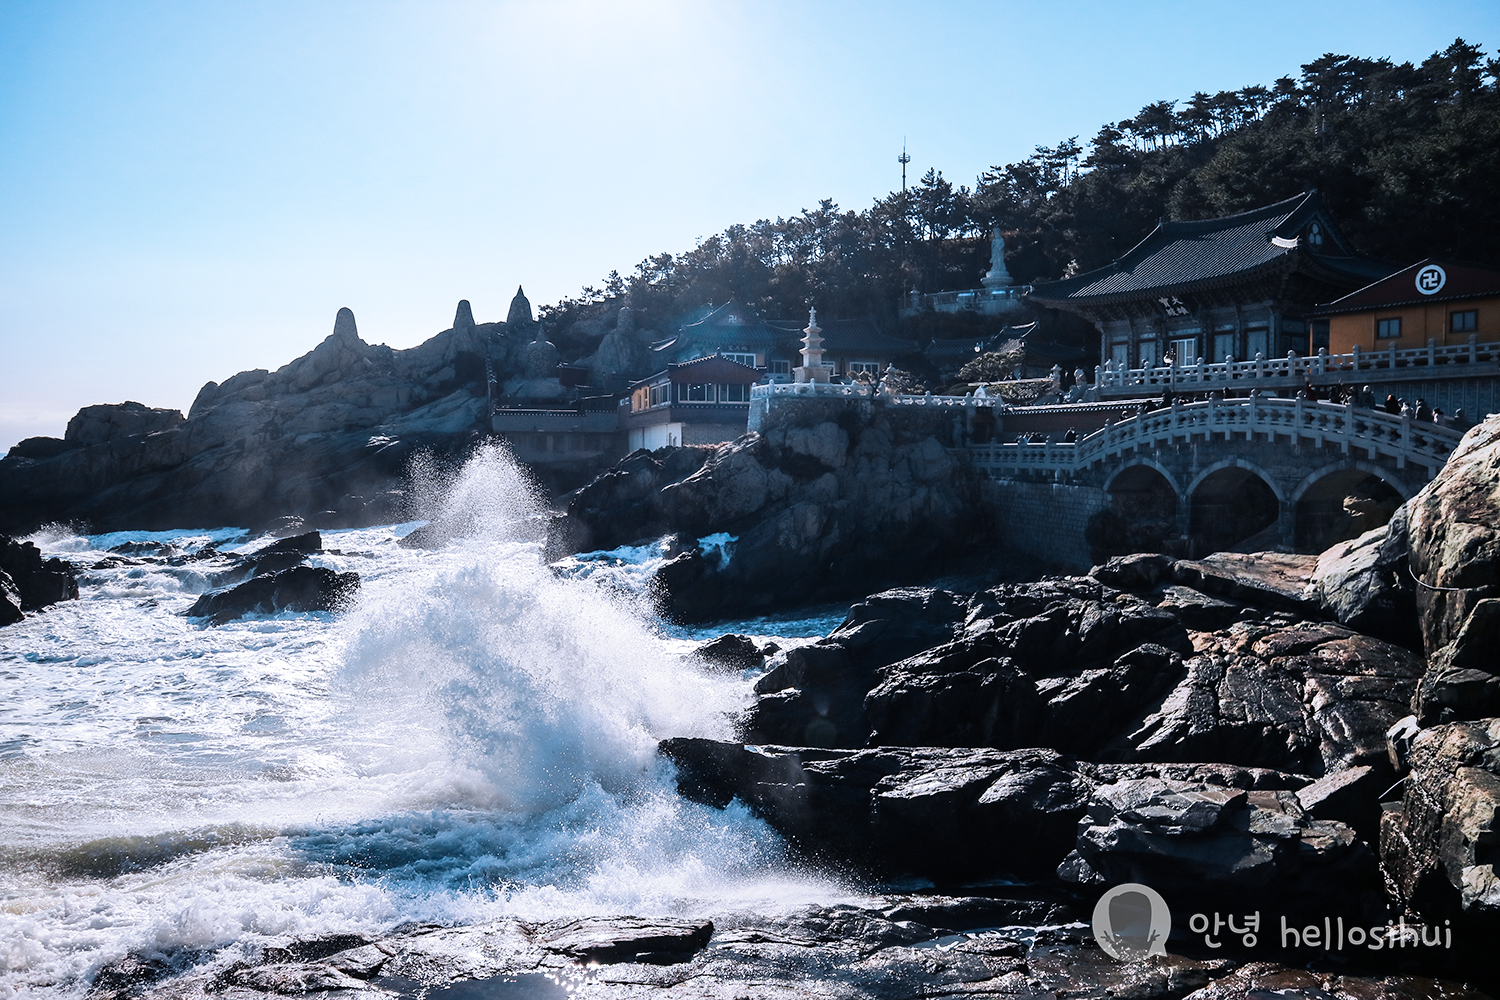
[[130, 977], [1263, 980], [303, 588], [1462, 682], [1137, 572], [966, 912], [1311, 699], [28, 582], [1439, 844], [41, 447], [1178, 836], [730, 652], [625, 939], [1197, 611], [98, 424], [936, 812], [1272, 580], [1351, 796], [816, 509]]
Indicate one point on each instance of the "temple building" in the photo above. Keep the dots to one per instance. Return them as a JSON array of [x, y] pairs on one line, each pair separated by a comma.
[[1235, 287], [734, 331], [703, 401], [1434, 301]]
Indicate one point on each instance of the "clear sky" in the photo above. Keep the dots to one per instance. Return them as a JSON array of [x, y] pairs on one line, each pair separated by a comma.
[[191, 189]]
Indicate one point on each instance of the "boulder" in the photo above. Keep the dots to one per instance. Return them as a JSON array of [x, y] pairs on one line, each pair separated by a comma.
[[730, 652], [302, 588], [1438, 843], [1184, 836], [606, 940], [935, 812], [1454, 535], [28, 582], [1301, 697], [1364, 583], [107, 421], [1462, 681]]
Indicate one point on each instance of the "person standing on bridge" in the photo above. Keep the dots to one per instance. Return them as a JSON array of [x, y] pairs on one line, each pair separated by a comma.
[[1392, 404]]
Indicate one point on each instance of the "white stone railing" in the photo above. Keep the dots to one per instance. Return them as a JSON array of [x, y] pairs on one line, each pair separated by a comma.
[[855, 391], [1373, 432], [1201, 372]]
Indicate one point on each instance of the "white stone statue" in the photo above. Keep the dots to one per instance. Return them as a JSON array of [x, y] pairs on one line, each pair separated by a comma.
[[998, 276]]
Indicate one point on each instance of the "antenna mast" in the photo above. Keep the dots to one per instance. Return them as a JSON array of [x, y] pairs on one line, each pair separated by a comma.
[[903, 159]]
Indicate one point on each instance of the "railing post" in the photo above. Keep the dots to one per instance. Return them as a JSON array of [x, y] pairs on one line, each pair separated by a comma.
[[1297, 418], [1322, 366], [1431, 351], [1473, 348], [1354, 353]]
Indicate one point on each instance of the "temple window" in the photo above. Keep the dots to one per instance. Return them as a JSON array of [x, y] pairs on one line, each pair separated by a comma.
[[1464, 322], [1386, 329]]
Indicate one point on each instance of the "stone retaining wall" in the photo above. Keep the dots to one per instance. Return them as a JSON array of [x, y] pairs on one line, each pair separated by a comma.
[[1045, 520]]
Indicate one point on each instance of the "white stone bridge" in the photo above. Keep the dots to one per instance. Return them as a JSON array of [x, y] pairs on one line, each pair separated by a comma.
[[1215, 474]]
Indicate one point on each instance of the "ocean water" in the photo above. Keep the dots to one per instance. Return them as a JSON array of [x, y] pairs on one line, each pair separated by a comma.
[[473, 738]]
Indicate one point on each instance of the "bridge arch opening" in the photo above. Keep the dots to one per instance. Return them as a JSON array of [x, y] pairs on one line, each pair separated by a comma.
[[1343, 504], [1143, 509], [1233, 508]]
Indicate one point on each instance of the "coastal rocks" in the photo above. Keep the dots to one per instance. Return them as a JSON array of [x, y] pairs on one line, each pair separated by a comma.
[[97, 424], [302, 588], [1454, 535], [942, 813], [328, 437], [1310, 698], [1438, 845], [28, 582], [1035, 814], [624, 939], [1462, 681], [815, 509], [1180, 835]]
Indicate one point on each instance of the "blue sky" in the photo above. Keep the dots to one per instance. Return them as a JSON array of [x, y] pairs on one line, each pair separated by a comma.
[[188, 190]]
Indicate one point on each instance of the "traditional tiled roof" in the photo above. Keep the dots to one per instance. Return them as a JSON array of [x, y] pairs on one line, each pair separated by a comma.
[[710, 369], [1179, 255], [1458, 281]]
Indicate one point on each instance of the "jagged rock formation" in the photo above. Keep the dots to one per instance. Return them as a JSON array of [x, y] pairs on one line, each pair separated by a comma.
[[828, 508], [30, 583], [326, 436]]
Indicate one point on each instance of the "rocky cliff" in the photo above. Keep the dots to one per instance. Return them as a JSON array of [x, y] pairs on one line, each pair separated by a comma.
[[828, 507], [325, 437]]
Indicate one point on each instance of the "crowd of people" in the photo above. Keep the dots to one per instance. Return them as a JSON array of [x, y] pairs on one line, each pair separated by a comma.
[[1364, 396]]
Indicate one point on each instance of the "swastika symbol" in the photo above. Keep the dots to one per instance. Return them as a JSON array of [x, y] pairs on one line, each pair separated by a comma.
[[1431, 279]]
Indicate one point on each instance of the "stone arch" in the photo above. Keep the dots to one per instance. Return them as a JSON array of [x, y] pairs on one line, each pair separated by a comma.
[[1142, 515], [1342, 500], [1233, 504]]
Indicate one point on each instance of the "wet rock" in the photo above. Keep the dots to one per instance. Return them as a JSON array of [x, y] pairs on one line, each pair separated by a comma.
[[303, 588], [28, 582], [1198, 611], [730, 652], [1263, 980], [1136, 572], [929, 811], [624, 939], [1351, 796]]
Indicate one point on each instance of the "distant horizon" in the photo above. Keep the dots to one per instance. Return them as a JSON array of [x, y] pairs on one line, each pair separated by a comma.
[[197, 191]]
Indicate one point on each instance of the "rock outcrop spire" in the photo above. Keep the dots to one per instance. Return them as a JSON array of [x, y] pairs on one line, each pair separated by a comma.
[[463, 319], [519, 318], [343, 325]]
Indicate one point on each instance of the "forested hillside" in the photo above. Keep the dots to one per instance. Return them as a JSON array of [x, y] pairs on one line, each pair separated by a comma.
[[1407, 157]]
